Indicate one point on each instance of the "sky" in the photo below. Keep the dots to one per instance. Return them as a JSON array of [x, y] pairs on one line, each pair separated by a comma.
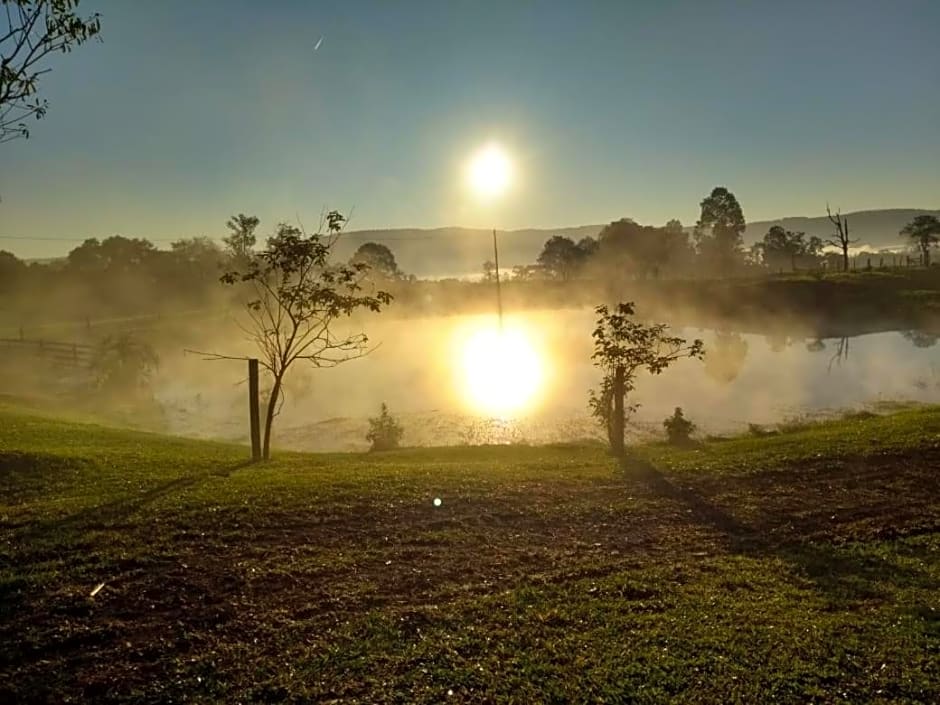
[[188, 112]]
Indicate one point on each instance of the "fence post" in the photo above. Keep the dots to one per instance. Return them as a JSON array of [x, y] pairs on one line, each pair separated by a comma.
[[253, 411], [616, 443]]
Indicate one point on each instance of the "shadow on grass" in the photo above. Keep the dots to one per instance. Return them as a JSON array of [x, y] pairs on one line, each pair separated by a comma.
[[844, 573], [103, 515]]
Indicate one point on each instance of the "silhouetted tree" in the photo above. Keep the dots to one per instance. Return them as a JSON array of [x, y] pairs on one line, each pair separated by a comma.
[[379, 258], [242, 240], [841, 238], [560, 257], [628, 246], [719, 230], [678, 428], [297, 295], [489, 271], [33, 30], [923, 233], [12, 271], [622, 348], [783, 248]]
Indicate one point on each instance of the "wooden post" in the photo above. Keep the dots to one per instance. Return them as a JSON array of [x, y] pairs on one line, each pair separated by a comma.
[[616, 443], [253, 412]]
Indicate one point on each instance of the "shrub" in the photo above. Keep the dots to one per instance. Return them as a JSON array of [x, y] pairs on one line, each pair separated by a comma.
[[384, 430], [678, 428]]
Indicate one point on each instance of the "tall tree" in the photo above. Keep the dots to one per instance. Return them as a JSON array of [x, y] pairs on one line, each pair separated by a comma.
[[379, 258], [33, 30], [719, 230], [297, 294], [841, 238], [923, 233], [560, 257], [242, 240]]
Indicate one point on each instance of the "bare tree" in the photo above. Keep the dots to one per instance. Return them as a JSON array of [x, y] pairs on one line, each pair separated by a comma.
[[34, 29], [297, 294], [841, 238]]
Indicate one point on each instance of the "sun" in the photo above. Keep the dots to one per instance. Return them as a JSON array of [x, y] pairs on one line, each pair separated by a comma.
[[501, 371], [489, 172]]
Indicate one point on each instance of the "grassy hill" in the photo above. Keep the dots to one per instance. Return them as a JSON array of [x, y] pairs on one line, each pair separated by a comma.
[[800, 567]]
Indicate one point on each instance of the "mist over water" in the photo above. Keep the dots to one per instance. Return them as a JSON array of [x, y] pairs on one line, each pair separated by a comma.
[[418, 370]]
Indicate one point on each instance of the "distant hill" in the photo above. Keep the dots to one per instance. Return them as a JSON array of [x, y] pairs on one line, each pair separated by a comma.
[[460, 252], [877, 229]]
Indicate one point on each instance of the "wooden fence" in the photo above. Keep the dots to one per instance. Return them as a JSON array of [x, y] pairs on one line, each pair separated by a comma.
[[72, 355]]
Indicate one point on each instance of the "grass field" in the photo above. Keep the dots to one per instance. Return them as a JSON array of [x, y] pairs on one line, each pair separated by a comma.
[[802, 567]]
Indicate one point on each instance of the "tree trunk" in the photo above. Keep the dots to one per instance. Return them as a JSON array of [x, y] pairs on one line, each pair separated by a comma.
[[617, 424], [845, 257], [926, 255], [269, 418]]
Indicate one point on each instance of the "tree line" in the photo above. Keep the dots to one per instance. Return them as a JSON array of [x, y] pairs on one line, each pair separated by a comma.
[[712, 247]]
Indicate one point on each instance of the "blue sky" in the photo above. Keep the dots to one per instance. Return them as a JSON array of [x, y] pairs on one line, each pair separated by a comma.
[[188, 112]]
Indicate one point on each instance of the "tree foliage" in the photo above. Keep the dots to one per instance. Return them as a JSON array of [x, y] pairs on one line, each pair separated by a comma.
[[242, 239], [34, 29], [644, 250], [678, 428], [379, 258], [561, 257], [623, 347], [385, 431], [296, 294], [924, 233], [785, 249], [719, 230]]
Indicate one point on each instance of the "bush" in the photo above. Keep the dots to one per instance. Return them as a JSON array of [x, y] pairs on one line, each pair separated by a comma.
[[678, 428], [384, 430]]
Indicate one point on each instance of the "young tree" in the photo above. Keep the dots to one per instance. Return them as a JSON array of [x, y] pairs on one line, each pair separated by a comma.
[[719, 230], [379, 258], [841, 238], [297, 294], [622, 348], [242, 240], [923, 232], [34, 29], [385, 431]]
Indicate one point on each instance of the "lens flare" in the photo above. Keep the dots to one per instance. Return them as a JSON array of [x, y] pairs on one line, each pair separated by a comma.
[[502, 371]]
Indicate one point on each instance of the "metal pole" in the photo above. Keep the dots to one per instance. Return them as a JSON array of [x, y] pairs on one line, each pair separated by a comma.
[[499, 294]]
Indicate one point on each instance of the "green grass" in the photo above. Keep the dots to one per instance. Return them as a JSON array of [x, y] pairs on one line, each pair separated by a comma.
[[794, 568]]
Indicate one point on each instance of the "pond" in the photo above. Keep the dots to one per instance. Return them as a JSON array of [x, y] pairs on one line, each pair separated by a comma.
[[429, 372]]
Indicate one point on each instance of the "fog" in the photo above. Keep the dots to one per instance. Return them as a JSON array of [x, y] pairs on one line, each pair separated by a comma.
[[417, 369]]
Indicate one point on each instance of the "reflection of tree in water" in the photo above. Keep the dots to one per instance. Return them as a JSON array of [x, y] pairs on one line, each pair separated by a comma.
[[725, 357], [815, 345], [920, 338], [841, 354], [778, 343]]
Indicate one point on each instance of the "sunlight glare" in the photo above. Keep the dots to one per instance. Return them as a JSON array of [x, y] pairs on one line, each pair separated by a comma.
[[502, 372], [490, 171]]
